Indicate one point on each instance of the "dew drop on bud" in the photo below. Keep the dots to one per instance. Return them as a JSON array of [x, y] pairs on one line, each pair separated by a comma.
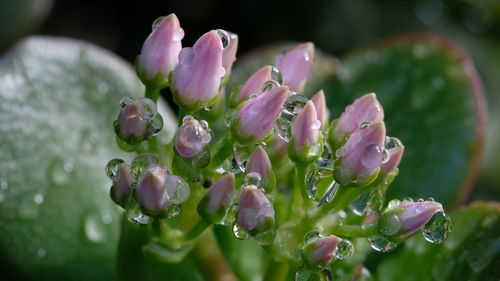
[[339, 152], [407, 200], [112, 168], [284, 128], [140, 163], [146, 109], [420, 200], [380, 244], [311, 235], [393, 204], [385, 156], [156, 22], [253, 179], [224, 37], [266, 237], [187, 118], [125, 100], [294, 104], [229, 117], [391, 142], [156, 124], [134, 214], [181, 187], [174, 211], [239, 233], [344, 250], [276, 74], [364, 125], [438, 228], [230, 216], [268, 85], [304, 274]]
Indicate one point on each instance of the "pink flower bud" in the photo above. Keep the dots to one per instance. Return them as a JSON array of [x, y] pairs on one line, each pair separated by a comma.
[[191, 138], [416, 215], [229, 53], [215, 204], [361, 156], [255, 119], [259, 163], [157, 191], [133, 123], [322, 111], [364, 109], [197, 77], [396, 153], [320, 252], [295, 65], [305, 144], [253, 85], [255, 213], [120, 191], [160, 51]]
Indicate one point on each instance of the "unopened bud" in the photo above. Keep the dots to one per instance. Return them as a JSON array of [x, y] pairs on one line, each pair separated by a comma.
[[136, 121], [255, 212], [122, 182], [253, 86], [191, 138], [319, 252], [295, 65], [215, 204], [305, 145]]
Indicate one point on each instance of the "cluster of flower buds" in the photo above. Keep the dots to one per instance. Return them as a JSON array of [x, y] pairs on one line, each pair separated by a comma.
[[273, 163]]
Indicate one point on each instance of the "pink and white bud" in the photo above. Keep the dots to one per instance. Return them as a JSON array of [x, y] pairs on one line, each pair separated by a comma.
[[160, 52], [253, 85], [305, 144], [157, 191], [121, 189], [255, 119], [197, 77], [259, 163], [229, 52], [361, 156], [191, 138], [133, 122], [215, 204], [318, 253], [255, 212], [416, 215], [395, 155], [365, 109], [321, 110], [295, 65]]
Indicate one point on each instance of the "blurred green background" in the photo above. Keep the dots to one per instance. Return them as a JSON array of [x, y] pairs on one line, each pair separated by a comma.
[[337, 27]]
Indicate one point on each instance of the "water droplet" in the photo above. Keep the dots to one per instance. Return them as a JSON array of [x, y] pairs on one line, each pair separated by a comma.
[[344, 250], [265, 238], [431, 199], [201, 160], [327, 275], [391, 142], [294, 104], [276, 74], [174, 211], [311, 179], [123, 145], [38, 198], [385, 156], [304, 274], [358, 207], [157, 22], [230, 216], [181, 187], [141, 162], [156, 124], [112, 168], [41, 252], [229, 117], [329, 194], [239, 233], [340, 152], [407, 200], [393, 204], [389, 224], [284, 128], [93, 227], [268, 85], [438, 228], [125, 100], [380, 244], [253, 179], [209, 107], [420, 200], [311, 235], [224, 37], [146, 108], [134, 214], [236, 166], [364, 125]]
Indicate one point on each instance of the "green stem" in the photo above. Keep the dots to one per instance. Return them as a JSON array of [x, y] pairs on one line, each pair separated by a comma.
[[276, 271], [210, 259], [222, 150], [196, 230], [183, 112], [152, 93], [366, 230]]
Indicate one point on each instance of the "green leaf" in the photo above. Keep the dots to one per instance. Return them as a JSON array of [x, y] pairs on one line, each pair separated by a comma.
[[58, 98], [472, 251], [433, 102]]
